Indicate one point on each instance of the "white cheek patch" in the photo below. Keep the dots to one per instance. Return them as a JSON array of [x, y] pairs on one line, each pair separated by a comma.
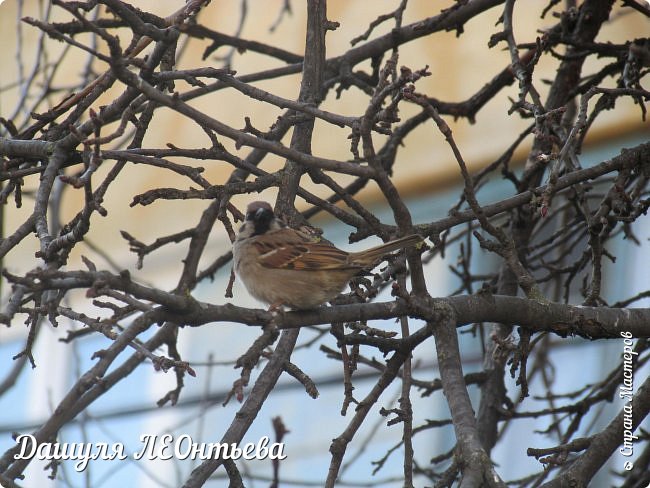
[[245, 231]]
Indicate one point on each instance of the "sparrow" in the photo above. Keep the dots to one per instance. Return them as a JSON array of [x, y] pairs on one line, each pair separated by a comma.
[[281, 266]]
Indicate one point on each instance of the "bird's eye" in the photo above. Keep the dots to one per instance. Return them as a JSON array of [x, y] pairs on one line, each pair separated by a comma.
[[250, 216]]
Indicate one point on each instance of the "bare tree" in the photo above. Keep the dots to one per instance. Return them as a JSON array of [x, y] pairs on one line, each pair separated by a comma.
[[549, 242]]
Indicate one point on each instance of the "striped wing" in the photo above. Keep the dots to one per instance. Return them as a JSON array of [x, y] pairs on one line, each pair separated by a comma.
[[290, 249]]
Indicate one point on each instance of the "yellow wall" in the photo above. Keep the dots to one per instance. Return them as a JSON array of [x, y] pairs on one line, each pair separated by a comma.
[[459, 67]]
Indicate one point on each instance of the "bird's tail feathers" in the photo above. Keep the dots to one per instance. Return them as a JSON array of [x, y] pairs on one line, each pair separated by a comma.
[[373, 255]]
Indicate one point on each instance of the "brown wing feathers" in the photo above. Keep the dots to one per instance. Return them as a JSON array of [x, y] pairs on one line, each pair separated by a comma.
[[303, 254]]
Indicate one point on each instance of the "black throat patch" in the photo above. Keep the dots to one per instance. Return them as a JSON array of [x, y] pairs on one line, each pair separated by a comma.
[[262, 221]]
